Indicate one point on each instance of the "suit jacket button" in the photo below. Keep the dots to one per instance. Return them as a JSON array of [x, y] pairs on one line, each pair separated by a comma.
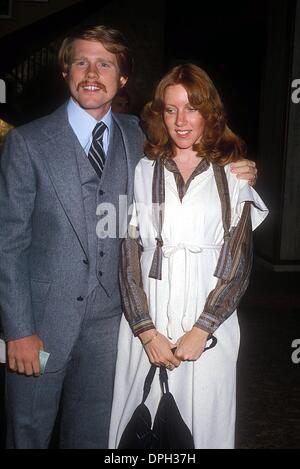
[[80, 298], [101, 253], [100, 273], [101, 192], [85, 261]]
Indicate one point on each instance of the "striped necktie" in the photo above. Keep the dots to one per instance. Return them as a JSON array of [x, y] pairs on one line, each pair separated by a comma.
[[96, 153]]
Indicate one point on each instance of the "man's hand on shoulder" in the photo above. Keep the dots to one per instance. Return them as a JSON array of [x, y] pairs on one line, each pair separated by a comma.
[[23, 355], [245, 169]]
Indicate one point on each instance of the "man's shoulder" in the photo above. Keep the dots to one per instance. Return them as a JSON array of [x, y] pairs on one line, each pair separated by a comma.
[[132, 133], [128, 122], [48, 124], [123, 118]]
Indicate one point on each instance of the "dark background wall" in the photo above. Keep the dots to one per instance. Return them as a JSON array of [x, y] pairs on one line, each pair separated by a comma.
[[228, 40], [25, 13]]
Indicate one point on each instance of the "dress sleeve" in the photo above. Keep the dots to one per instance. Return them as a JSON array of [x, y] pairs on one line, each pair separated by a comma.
[[259, 210], [134, 299], [248, 212]]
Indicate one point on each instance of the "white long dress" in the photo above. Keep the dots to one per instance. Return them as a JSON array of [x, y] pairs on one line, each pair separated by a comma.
[[193, 235]]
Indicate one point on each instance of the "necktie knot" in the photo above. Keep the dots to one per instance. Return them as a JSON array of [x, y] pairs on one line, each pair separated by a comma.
[[99, 130]]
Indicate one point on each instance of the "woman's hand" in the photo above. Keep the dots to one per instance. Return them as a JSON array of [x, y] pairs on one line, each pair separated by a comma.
[[191, 345], [245, 169], [159, 349]]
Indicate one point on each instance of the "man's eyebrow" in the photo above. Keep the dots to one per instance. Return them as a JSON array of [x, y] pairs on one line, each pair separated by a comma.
[[105, 60], [80, 57], [102, 59]]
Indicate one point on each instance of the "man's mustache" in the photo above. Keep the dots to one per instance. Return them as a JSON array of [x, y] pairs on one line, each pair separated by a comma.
[[93, 83]]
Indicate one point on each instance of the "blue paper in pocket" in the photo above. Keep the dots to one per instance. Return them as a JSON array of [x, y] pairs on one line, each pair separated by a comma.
[[43, 360]]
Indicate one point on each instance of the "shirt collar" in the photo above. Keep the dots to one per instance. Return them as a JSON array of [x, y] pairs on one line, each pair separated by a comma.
[[83, 123], [182, 186], [170, 164]]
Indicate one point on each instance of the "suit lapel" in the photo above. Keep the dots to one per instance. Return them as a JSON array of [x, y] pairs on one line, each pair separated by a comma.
[[130, 152], [59, 151]]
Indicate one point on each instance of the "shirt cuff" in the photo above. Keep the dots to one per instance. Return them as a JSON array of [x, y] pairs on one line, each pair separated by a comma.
[[142, 325], [207, 322]]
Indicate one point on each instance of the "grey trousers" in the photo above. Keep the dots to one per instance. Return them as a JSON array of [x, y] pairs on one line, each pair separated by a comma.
[[84, 387]]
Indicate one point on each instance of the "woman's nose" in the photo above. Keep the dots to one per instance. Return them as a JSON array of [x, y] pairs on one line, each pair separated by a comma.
[[180, 118]]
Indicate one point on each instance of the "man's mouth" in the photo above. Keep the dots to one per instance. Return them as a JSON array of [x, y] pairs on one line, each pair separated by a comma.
[[92, 87]]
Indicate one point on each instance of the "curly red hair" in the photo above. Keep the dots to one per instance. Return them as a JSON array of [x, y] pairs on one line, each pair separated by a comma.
[[218, 143]]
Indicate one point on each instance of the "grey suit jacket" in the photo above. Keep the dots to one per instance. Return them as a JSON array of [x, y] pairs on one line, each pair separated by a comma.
[[43, 237]]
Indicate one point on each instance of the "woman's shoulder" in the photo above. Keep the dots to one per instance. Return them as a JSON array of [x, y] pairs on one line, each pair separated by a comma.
[[240, 191], [145, 165], [143, 179]]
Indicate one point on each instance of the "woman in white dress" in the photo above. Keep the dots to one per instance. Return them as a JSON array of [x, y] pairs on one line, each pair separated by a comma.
[[187, 262]]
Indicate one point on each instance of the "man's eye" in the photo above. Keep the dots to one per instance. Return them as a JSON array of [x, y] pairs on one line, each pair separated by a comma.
[[80, 63], [104, 65]]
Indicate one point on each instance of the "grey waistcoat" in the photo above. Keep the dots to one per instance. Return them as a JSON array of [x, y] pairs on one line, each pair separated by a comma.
[[93, 192]]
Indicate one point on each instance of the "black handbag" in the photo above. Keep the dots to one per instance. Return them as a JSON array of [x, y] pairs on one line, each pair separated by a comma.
[[169, 430]]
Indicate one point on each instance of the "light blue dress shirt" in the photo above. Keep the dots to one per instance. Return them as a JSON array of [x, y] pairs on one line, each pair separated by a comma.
[[83, 125]]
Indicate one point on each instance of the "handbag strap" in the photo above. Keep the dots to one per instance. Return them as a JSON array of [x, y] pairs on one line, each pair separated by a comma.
[[163, 377], [148, 382], [214, 341]]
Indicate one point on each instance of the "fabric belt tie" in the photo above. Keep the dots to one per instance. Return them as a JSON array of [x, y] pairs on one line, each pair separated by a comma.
[[169, 252]]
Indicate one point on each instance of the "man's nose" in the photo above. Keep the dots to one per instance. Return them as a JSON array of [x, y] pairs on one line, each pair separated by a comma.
[[92, 70]]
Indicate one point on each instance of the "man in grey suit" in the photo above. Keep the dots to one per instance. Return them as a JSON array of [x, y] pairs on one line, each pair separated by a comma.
[[59, 291]]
